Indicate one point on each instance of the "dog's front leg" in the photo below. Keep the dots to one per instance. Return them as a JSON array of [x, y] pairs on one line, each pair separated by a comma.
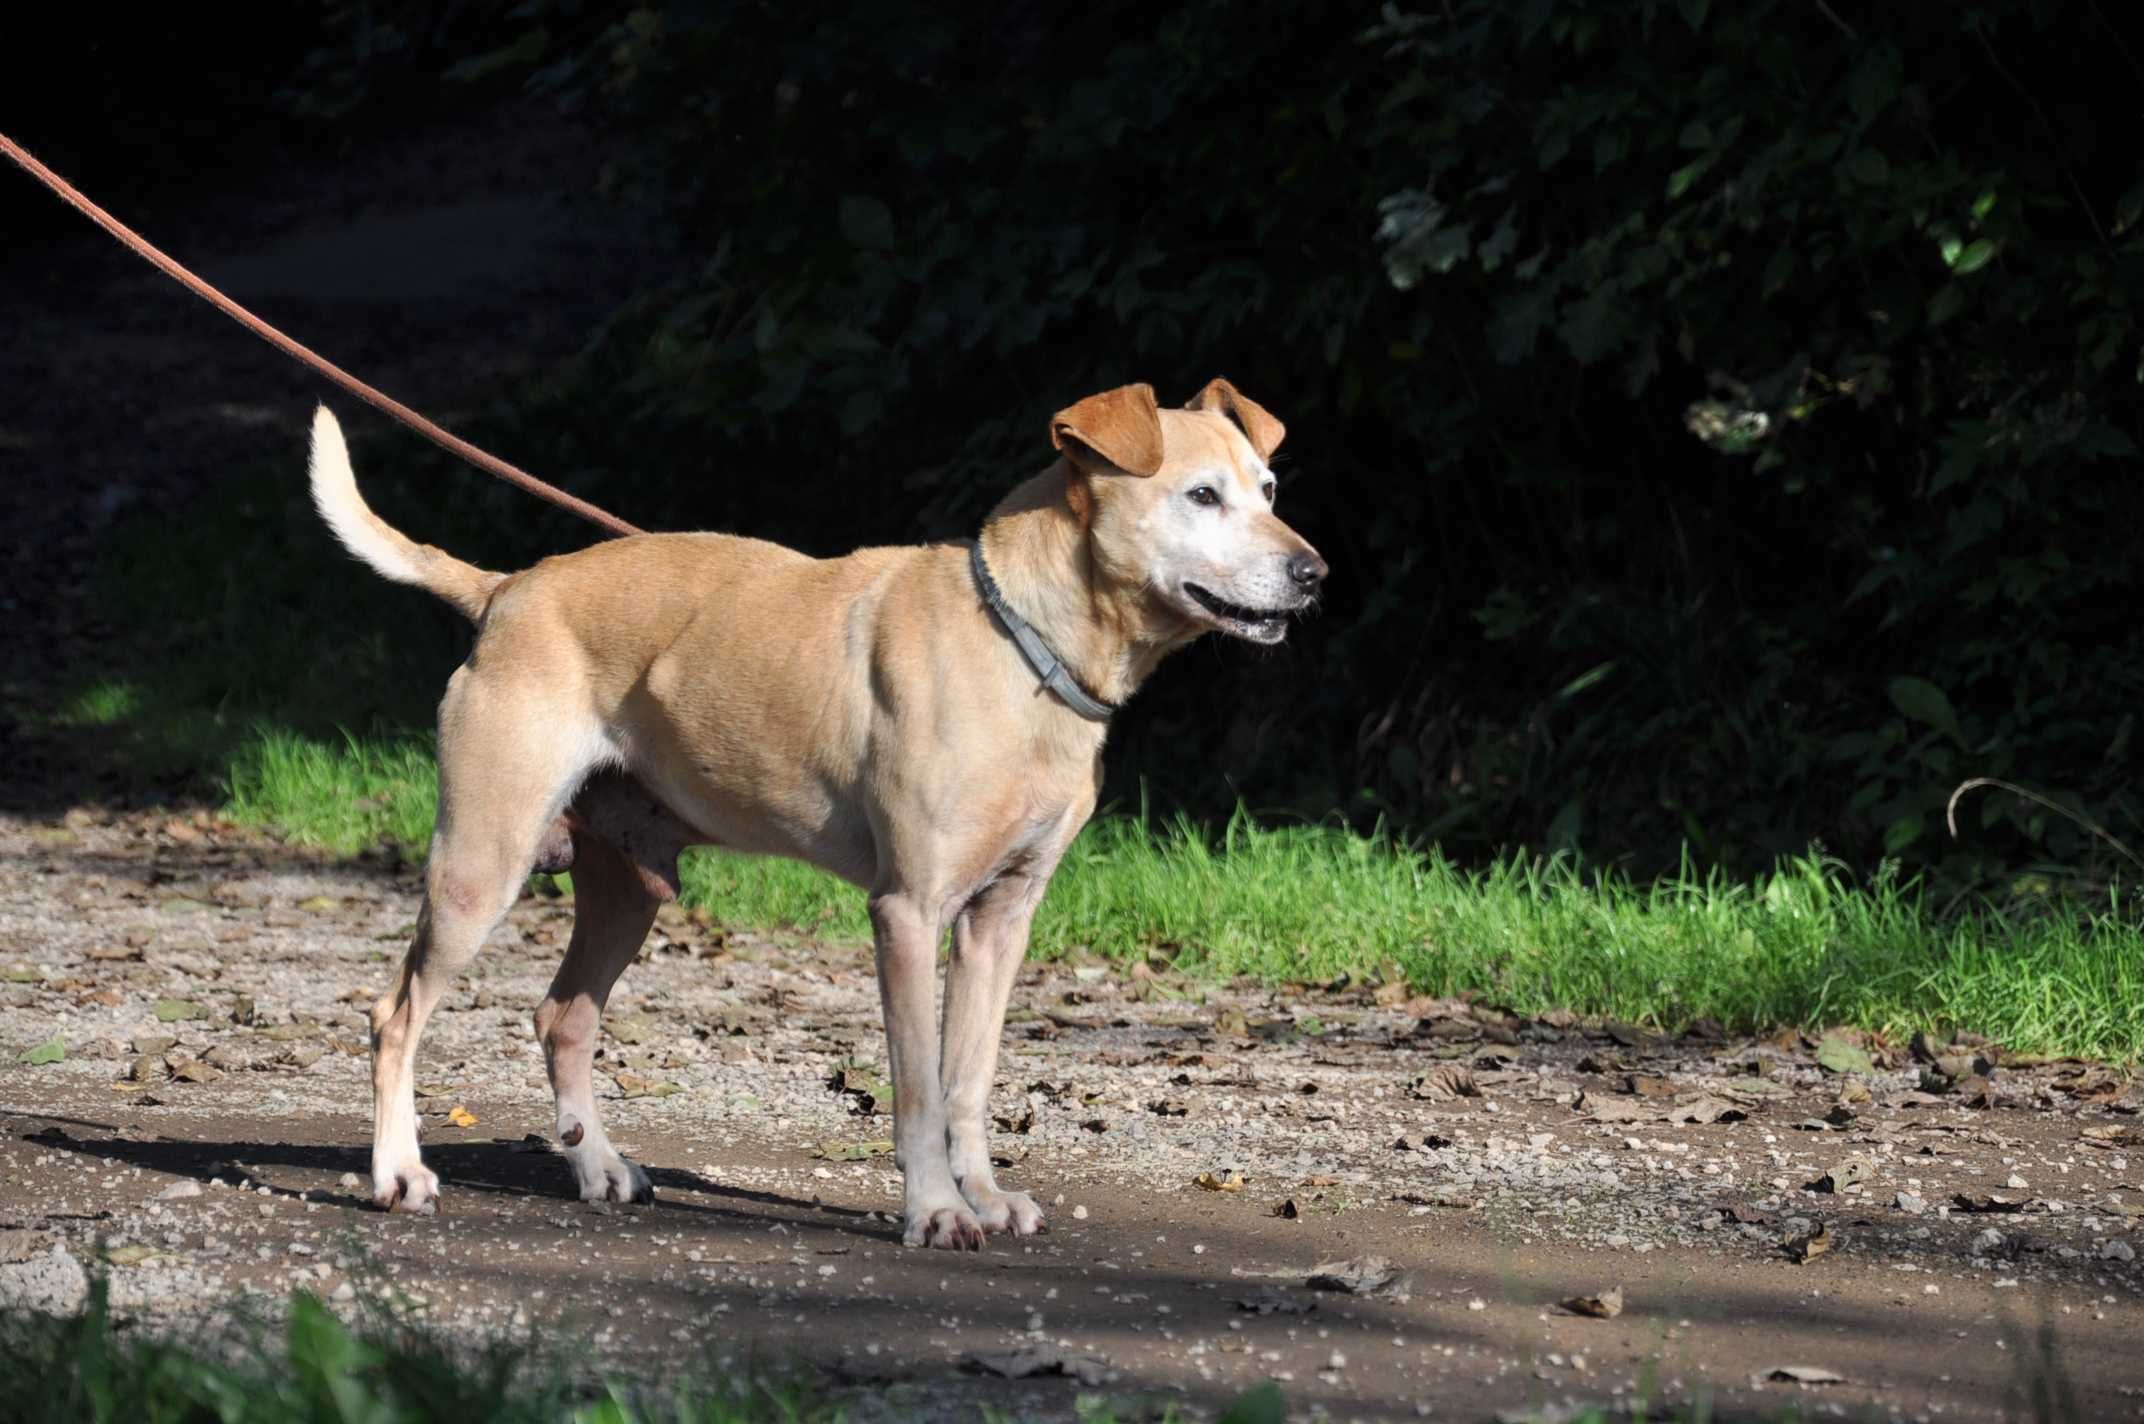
[[933, 1213], [989, 945]]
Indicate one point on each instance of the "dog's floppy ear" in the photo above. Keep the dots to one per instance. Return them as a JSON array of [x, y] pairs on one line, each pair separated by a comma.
[[1116, 430], [1258, 424]]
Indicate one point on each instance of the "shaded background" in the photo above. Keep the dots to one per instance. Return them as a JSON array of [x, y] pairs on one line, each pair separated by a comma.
[[1721, 420]]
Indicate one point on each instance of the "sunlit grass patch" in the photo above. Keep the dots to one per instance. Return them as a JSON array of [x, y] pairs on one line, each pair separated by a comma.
[[344, 796], [1806, 944]]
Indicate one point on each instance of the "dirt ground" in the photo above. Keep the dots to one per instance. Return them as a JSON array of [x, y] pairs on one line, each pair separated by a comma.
[[208, 987]]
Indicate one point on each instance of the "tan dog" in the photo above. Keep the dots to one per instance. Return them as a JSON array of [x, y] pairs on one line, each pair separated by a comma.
[[876, 715]]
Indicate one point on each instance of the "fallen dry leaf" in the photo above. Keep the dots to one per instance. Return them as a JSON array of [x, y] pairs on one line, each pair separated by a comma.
[[1706, 1109], [854, 1151], [461, 1116], [1605, 1306], [1455, 1201], [1837, 1054], [1364, 1275], [52, 1050], [1804, 1249], [1443, 1083], [632, 1030], [1847, 1172], [1219, 1181], [1269, 1300], [1040, 1359], [1602, 1109], [632, 1085]]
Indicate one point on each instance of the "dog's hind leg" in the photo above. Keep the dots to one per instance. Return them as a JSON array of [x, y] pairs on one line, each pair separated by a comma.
[[503, 776], [614, 903]]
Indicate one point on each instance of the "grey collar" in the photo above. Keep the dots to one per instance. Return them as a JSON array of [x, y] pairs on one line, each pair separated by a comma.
[[1047, 665]]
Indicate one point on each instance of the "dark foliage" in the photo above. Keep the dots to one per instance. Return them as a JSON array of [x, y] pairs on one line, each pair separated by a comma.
[[1721, 419]]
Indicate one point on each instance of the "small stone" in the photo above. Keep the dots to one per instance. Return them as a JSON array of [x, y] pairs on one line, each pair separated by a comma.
[[1079, 1213], [1986, 1241], [179, 1191], [348, 1181], [229, 1057], [1911, 1203], [2117, 1251], [2016, 1183]]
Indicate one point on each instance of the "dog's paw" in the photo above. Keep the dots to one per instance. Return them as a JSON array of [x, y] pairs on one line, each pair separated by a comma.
[[610, 1177], [950, 1228], [412, 1188], [998, 1211]]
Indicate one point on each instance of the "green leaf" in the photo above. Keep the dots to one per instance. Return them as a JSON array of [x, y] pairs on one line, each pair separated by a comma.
[[608, 1410], [1973, 256], [1680, 180], [1948, 301], [1260, 1404], [867, 222], [52, 1050], [172, 1010], [1925, 703], [1899, 836], [1837, 1055]]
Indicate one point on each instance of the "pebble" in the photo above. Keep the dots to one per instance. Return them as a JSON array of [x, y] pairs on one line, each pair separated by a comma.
[[179, 1191]]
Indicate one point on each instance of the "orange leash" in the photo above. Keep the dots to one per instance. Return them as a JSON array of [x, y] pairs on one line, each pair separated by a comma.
[[489, 464]]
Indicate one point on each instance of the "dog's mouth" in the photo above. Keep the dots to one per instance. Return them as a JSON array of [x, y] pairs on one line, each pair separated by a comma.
[[1259, 625]]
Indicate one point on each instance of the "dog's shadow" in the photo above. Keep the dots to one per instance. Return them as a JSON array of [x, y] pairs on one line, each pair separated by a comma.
[[529, 1170]]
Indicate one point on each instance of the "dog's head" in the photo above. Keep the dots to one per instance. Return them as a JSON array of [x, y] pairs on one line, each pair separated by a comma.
[[1179, 504]]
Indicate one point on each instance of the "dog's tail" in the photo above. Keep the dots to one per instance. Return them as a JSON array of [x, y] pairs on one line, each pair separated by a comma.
[[393, 555]]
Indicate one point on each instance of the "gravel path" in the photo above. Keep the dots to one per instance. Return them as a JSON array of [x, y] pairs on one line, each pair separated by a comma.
[[1203, 1149]]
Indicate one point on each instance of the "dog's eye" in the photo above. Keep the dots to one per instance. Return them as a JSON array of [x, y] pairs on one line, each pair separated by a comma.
[[1266, 489], [1206, 495]]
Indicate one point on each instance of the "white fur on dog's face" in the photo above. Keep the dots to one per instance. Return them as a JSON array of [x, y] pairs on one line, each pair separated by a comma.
[[1208, 544]]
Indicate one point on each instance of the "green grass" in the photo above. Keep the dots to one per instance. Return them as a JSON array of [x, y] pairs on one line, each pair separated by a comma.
[[1805, 945], [314, 1368]]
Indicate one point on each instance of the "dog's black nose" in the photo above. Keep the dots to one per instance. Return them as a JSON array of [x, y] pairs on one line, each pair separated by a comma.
[[1308, 570]]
